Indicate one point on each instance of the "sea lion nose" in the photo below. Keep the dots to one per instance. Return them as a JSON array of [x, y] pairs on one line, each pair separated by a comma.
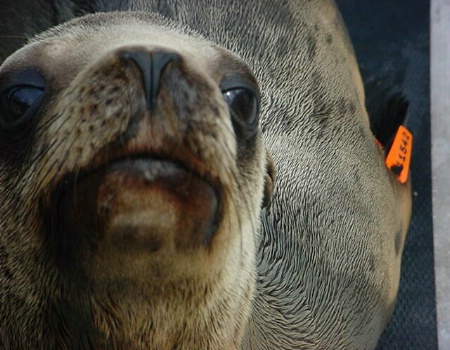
[[152, 65]]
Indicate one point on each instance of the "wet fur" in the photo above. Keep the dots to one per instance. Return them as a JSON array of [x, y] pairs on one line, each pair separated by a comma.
[[327, 256]]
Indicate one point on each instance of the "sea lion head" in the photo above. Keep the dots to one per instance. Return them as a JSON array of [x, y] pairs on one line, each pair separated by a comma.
[[132, 175]]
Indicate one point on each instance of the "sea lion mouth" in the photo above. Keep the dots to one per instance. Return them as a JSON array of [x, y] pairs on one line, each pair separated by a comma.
[[138, 204]]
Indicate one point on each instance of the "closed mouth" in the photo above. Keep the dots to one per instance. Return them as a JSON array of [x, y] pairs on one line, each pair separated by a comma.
[[137, 204]]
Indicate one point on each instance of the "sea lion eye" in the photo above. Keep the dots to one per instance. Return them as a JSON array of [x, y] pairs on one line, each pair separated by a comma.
[[244, 107], [18, 103]]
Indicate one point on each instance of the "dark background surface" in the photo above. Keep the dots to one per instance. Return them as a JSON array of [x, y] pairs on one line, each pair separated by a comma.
[[391, 40]]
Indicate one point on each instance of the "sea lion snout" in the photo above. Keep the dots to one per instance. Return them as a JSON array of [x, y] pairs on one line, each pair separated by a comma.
[[150, 189]]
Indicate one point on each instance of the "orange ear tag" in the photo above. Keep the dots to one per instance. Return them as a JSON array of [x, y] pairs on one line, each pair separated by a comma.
[[398, 159]]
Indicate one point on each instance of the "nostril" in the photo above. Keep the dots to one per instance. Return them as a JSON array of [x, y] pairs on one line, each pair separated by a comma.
[[152, 65]]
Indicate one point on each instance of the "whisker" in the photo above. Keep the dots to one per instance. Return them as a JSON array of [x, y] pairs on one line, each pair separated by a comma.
[[14, 37]]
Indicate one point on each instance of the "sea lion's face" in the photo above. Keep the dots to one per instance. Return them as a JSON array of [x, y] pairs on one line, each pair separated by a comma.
[[132, 170]]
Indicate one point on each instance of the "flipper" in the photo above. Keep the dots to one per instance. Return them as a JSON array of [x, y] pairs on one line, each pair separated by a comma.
[[387, 108]]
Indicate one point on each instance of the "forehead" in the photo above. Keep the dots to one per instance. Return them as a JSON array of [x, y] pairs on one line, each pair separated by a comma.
[[105, 32], [74, 45]]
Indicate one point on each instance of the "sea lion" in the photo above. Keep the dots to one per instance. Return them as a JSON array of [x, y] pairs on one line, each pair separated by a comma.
[[139, 203]]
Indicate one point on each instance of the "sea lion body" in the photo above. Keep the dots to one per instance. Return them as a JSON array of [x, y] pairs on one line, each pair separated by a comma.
[[131, 213]]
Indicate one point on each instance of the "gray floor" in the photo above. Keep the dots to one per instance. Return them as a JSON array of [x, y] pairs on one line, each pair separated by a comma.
[[440, 131]]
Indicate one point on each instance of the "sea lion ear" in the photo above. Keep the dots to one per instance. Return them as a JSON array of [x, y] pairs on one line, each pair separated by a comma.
[[269, 180]]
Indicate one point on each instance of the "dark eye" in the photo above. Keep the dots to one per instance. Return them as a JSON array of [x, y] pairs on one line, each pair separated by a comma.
[[243, 105], [18, 104]]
